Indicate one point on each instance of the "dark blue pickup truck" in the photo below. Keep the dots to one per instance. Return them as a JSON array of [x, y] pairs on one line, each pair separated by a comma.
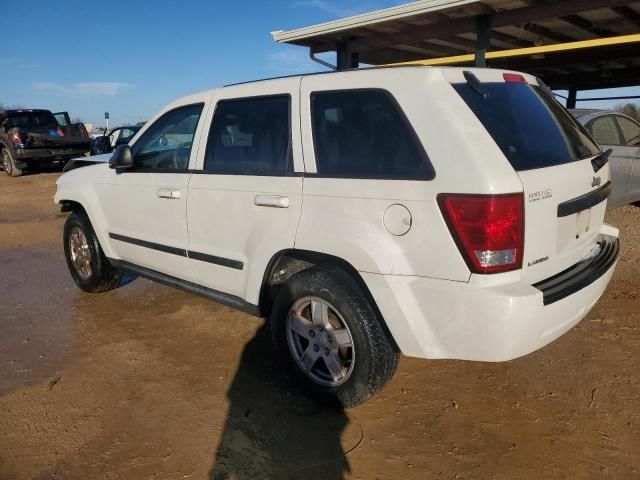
[[30, 138]]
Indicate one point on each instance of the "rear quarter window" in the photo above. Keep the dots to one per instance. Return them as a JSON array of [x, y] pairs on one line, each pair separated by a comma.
[[364, 134], [531, 128], [630, 131], [604, 131]]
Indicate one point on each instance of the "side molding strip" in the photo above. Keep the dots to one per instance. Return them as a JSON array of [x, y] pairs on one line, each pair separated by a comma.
[[143, 243], [225, 262], [202, 257]]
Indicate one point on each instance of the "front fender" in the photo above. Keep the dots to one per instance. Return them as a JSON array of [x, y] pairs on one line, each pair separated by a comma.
[[86, 187]]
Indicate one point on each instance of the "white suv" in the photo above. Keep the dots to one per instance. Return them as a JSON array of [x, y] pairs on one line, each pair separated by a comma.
[[438, 213]]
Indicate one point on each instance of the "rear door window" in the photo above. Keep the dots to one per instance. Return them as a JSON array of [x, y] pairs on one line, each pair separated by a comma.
[[251, 136], [630, 131], [604, 131], [531, 128], [364, 134]]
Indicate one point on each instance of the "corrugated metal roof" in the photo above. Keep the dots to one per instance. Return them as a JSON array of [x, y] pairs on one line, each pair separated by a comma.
[[430, 29], [371, 18]]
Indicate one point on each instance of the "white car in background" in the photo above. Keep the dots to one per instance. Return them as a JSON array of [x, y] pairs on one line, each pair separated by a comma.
[[438, 213], [620, 133]]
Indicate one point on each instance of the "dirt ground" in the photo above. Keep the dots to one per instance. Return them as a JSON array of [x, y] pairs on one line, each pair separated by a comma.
[[147, 382]]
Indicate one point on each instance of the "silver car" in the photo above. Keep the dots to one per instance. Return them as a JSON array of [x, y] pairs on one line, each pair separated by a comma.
[[622, 135]]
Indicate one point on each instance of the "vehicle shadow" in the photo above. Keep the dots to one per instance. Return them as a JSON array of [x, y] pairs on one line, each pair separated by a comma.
[[272, 430]]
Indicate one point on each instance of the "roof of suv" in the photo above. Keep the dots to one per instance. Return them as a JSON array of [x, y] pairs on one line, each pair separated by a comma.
[[329, 72]]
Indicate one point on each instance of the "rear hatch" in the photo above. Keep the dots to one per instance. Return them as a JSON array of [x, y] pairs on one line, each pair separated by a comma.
[[557, 161]]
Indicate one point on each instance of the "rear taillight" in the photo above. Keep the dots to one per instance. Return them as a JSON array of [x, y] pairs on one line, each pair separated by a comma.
[[85, 134], [60, 132], [16, 139], [488, 229]]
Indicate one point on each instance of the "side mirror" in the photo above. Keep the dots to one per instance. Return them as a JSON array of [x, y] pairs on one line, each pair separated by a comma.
[[122, 158]]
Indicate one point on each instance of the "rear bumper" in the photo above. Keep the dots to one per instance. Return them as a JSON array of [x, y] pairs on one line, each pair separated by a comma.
[[52, 154], [432, 318], [581, 274]]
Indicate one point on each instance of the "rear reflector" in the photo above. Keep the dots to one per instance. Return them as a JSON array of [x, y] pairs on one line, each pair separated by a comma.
[[514, 78], [488, 229]]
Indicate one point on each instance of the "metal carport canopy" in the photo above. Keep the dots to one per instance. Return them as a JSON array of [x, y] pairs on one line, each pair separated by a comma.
[[542, 36]]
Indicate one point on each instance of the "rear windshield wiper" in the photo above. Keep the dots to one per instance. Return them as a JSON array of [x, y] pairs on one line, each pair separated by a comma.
[[601, 160], [474, 83]]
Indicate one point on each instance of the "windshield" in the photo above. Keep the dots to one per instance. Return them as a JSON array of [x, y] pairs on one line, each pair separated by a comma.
[[28, 119], [531, 128]]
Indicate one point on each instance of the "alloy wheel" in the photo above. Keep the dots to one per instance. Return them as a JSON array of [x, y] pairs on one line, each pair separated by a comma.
[[6, 162], [320, 341], [80, 253]]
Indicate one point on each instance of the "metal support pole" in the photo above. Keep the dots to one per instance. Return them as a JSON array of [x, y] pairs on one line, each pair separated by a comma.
[[312, 56], [572, 98], [483, 38], [346, 59]]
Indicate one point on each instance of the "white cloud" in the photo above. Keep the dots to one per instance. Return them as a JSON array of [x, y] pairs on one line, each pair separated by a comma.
[[342, 9], [327, 7], [83, 89], [295, 60], [16, 64], [289, 61]]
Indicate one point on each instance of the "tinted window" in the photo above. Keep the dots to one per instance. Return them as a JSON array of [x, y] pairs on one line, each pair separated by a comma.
[[250, 136], [126, 134], [531, 128], [166, 145], [604, 131], [630, 131], [363, 133], [61, 118], [31, 119]]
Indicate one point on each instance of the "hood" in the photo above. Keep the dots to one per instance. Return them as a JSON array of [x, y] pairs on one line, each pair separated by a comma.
[[86, 161]]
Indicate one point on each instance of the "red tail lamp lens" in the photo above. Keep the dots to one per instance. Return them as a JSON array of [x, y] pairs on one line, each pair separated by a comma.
[[488, 229]]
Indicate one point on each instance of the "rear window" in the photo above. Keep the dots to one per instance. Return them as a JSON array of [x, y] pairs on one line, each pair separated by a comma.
[[531, 128], [30, 119]]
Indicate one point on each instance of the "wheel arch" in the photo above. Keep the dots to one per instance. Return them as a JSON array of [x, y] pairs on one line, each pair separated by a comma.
[[70, 206], [87, 203], [286, 263]]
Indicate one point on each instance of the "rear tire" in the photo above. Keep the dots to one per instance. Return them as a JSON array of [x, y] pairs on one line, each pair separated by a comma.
[[329, 336], [88, 265], [9, 164]]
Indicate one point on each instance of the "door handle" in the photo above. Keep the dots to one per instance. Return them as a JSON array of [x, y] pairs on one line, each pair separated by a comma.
[[168, 193], [274, 201]]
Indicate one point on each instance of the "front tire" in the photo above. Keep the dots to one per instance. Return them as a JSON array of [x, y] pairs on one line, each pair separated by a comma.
[[327, 333], [9, 164], [88, 265]]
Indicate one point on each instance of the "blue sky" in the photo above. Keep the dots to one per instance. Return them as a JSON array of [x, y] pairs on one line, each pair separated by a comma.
[[130, 58]]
